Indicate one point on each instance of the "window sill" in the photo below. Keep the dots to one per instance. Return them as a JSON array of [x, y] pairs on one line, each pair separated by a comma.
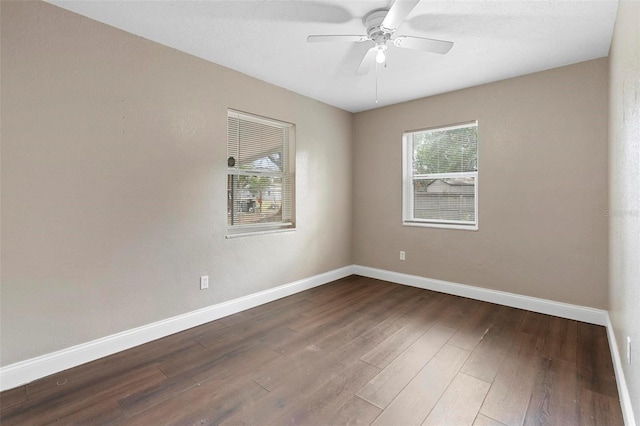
[[248, 233], [441, 226]]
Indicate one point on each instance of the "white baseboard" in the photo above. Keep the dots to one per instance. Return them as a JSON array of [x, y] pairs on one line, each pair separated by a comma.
[[543, 306], [623, 391], [27, 371]]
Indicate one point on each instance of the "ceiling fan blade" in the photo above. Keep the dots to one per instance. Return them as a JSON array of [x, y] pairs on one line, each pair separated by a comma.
[[367, 61], [398, 12], [426, 44], [323, 38]]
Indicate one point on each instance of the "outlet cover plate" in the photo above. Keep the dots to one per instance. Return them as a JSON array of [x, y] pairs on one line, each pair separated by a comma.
[[204, 282]]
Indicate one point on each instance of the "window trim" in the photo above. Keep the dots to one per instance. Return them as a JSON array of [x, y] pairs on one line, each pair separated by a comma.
[[407, 183], [288, 173]]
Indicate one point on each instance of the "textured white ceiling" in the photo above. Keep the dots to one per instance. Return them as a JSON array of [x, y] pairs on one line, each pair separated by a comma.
[[493, 40]]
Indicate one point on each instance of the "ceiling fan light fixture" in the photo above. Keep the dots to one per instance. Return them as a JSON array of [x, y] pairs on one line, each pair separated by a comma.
[[380, 56]]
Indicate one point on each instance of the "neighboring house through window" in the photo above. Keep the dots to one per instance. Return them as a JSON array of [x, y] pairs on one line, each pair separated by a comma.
[[440, 177], [260, 176]]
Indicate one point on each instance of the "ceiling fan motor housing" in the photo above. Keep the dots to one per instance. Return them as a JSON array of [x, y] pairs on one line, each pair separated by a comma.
[[373, 22]]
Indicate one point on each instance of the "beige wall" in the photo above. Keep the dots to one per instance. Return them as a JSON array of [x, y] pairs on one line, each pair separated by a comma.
[[624, 191], [542, 187], [114, 184]]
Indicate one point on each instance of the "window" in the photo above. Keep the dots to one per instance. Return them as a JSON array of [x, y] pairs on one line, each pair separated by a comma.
[[440, 177], [260, 176]]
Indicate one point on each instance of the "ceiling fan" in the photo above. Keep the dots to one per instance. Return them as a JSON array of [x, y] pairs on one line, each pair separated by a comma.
[[381, 24]]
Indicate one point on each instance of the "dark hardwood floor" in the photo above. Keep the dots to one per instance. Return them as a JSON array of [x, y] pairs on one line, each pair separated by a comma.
[[355, 351]]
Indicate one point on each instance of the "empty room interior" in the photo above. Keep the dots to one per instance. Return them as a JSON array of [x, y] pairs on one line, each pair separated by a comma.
[[407, 212]]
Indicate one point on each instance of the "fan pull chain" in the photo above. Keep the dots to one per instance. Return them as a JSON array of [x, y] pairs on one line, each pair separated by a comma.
[[376, 82]]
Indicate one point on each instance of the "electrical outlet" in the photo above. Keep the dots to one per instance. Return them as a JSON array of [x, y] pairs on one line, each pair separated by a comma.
[[629, 350], [204, 282], [401, 255]]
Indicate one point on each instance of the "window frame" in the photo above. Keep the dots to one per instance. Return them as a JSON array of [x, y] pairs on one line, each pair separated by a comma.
[[408, 178], [287, 175]]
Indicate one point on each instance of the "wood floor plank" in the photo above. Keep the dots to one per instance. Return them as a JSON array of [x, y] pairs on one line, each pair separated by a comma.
[[369, 314], [227, 349], [477, 325], [356, 411], [510, 392], [327, 335], [338, 317], [347, 309], [324, 403], [419, 397], [353, 296], [385, 352], [232, 365], [250, 328], [383, 388], [562, 340], [535, 323], [352, 351], [285, 393], [423, 356], [486, 421], [459, 312], [342, 341], [598, 410], [98, 404], [401, 314], [100, 413], [554, 395], [210, 403], [337, 288], [595, 368], [422, 319], [488, 355], [299, 367], [267, 333], [344, 327], [13, 397], [347, 334], [449, 410], [363, 283]]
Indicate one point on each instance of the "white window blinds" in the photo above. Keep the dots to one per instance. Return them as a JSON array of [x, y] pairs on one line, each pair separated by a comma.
[[260, 178], [441, 176]]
